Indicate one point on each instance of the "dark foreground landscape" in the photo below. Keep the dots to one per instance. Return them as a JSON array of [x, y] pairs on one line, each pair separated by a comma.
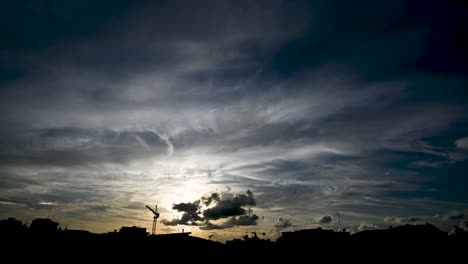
[[43, 239]]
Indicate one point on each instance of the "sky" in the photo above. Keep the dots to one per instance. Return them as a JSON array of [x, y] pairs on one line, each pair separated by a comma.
[[234, 116]]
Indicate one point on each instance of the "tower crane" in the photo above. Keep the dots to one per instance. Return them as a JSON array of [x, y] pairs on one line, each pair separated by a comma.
[[155, 218]]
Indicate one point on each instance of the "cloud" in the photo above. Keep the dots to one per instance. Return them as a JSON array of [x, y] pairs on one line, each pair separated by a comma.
[[308, 103], [450, 216], [172, 222], [7, 203], [464, 224], [326, 219], [170, 146], [456, 216], [11, 180], [134, 206], [228, 209], [213, 198], [410, 219], [243, 220], [211, 226], [48, 203], [70, 146], [190, 214], [367, 226], [282, 223], [462, 143]]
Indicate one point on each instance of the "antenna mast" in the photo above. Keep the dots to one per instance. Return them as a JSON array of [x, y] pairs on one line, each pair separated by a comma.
[[50, 208], [339, 222]]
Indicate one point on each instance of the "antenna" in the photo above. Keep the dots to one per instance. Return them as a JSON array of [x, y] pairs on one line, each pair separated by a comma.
[[50, 204], [50, 209], [339, 221]]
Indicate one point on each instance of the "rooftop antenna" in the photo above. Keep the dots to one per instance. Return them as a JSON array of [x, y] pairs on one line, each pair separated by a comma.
[[155, 218], [50, 209], [339, 221], [50, 204]]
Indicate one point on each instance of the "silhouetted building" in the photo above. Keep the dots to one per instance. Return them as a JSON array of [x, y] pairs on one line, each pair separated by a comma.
[[250, 243], [133, 232], [11, 226], [405, 233], [43, 225], [317, 235], [175, 235], [425, 242]]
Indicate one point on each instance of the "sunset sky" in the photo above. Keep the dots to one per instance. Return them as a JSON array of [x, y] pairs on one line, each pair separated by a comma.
[[234, 116]]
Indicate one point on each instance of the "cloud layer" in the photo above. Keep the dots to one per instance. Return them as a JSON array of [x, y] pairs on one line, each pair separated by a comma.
[[316, 109]]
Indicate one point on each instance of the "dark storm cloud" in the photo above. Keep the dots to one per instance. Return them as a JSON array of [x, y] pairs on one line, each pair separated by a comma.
[[214, 197], [326, 219], [190, 214], [226, 208], [230, 207], [187, 207], [243, 220]]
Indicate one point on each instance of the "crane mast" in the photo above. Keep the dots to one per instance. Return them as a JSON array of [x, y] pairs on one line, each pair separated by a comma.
[[155, 218]]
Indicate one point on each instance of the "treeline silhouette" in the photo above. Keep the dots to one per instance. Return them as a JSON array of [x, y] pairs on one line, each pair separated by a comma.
[[44, 237]]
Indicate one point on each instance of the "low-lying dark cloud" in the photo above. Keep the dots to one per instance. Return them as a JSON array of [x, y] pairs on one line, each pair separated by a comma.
[[326, 219], [409, 220], [190, 216], [450, 216], [363, 226], [282, 223], [445, 219], [243, 220], [214, 197], [229, 209]]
